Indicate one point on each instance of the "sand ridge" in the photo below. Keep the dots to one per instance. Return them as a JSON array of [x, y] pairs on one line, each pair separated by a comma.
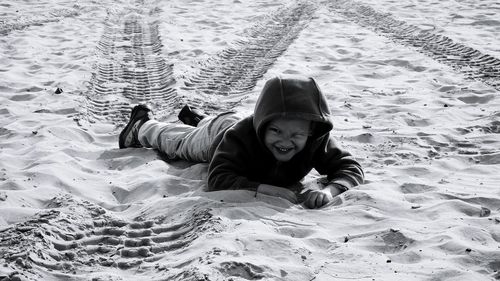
[[73, 206]]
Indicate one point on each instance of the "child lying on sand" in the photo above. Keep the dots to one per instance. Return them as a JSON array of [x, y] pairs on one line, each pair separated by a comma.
[[269, 152]]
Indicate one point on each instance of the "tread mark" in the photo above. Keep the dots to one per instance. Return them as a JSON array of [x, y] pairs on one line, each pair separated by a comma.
[[471, 62], [25, 21], [131, 69], [235, 70], [75, 235]]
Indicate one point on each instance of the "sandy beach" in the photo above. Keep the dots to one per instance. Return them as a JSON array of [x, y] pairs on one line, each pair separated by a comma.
[[413, 86]]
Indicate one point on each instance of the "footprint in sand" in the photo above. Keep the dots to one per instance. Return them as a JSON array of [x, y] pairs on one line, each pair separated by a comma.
[[416, 188], [244, 270]]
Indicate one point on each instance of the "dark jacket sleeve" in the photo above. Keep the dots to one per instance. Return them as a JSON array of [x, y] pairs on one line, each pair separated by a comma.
[[338, 164], [229, 166]]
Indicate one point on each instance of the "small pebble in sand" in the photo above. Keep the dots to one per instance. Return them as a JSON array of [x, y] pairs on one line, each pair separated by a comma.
[[3, 196], [70, 255], [484, 212], [20, 262]]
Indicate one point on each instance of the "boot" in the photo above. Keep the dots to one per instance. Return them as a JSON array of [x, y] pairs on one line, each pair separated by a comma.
[[129, 135], [190, 116]]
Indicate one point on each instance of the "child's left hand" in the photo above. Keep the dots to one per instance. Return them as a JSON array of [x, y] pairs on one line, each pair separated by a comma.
[[318, 198]]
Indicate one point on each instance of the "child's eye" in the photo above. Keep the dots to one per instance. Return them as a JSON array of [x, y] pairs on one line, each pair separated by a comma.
[[274, 130]]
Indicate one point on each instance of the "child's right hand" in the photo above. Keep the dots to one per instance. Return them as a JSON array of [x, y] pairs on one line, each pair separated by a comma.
[[277, 191]]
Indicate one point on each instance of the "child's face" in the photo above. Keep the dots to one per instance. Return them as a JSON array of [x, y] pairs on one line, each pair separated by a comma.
[[286, 137]]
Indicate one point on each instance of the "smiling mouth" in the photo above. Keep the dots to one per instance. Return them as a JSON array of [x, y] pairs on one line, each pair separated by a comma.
[[283, 150]]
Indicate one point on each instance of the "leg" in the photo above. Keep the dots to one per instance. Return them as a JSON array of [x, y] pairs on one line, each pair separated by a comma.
[[165, 137], [196, 145], [179, 141]]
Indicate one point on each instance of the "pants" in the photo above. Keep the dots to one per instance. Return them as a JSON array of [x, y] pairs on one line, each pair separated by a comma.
[[180, 141]]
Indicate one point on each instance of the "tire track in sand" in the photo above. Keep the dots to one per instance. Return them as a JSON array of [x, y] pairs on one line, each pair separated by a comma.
[[26, 20], [473, 63], [74, 238], [236, 69], [131, 68]]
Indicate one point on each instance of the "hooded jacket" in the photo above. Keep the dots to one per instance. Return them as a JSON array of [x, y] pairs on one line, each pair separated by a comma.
[[242, 161]]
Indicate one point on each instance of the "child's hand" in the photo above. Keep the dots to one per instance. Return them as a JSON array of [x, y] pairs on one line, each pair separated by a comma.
[[335, 189], [278, 192], [318, 198]]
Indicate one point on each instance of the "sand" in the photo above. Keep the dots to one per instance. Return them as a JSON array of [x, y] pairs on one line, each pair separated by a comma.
[[414, 91]]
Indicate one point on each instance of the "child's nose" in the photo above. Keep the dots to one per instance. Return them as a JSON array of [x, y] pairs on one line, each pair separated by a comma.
[[286, 139]]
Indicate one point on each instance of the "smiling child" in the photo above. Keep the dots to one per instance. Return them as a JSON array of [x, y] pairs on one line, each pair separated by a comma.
[[269, 152]]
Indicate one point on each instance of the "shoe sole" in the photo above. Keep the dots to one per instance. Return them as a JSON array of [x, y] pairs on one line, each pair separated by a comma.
[[134, 117]]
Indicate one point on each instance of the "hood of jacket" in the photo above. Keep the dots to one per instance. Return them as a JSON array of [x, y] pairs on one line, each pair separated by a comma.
[[292, 97]]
